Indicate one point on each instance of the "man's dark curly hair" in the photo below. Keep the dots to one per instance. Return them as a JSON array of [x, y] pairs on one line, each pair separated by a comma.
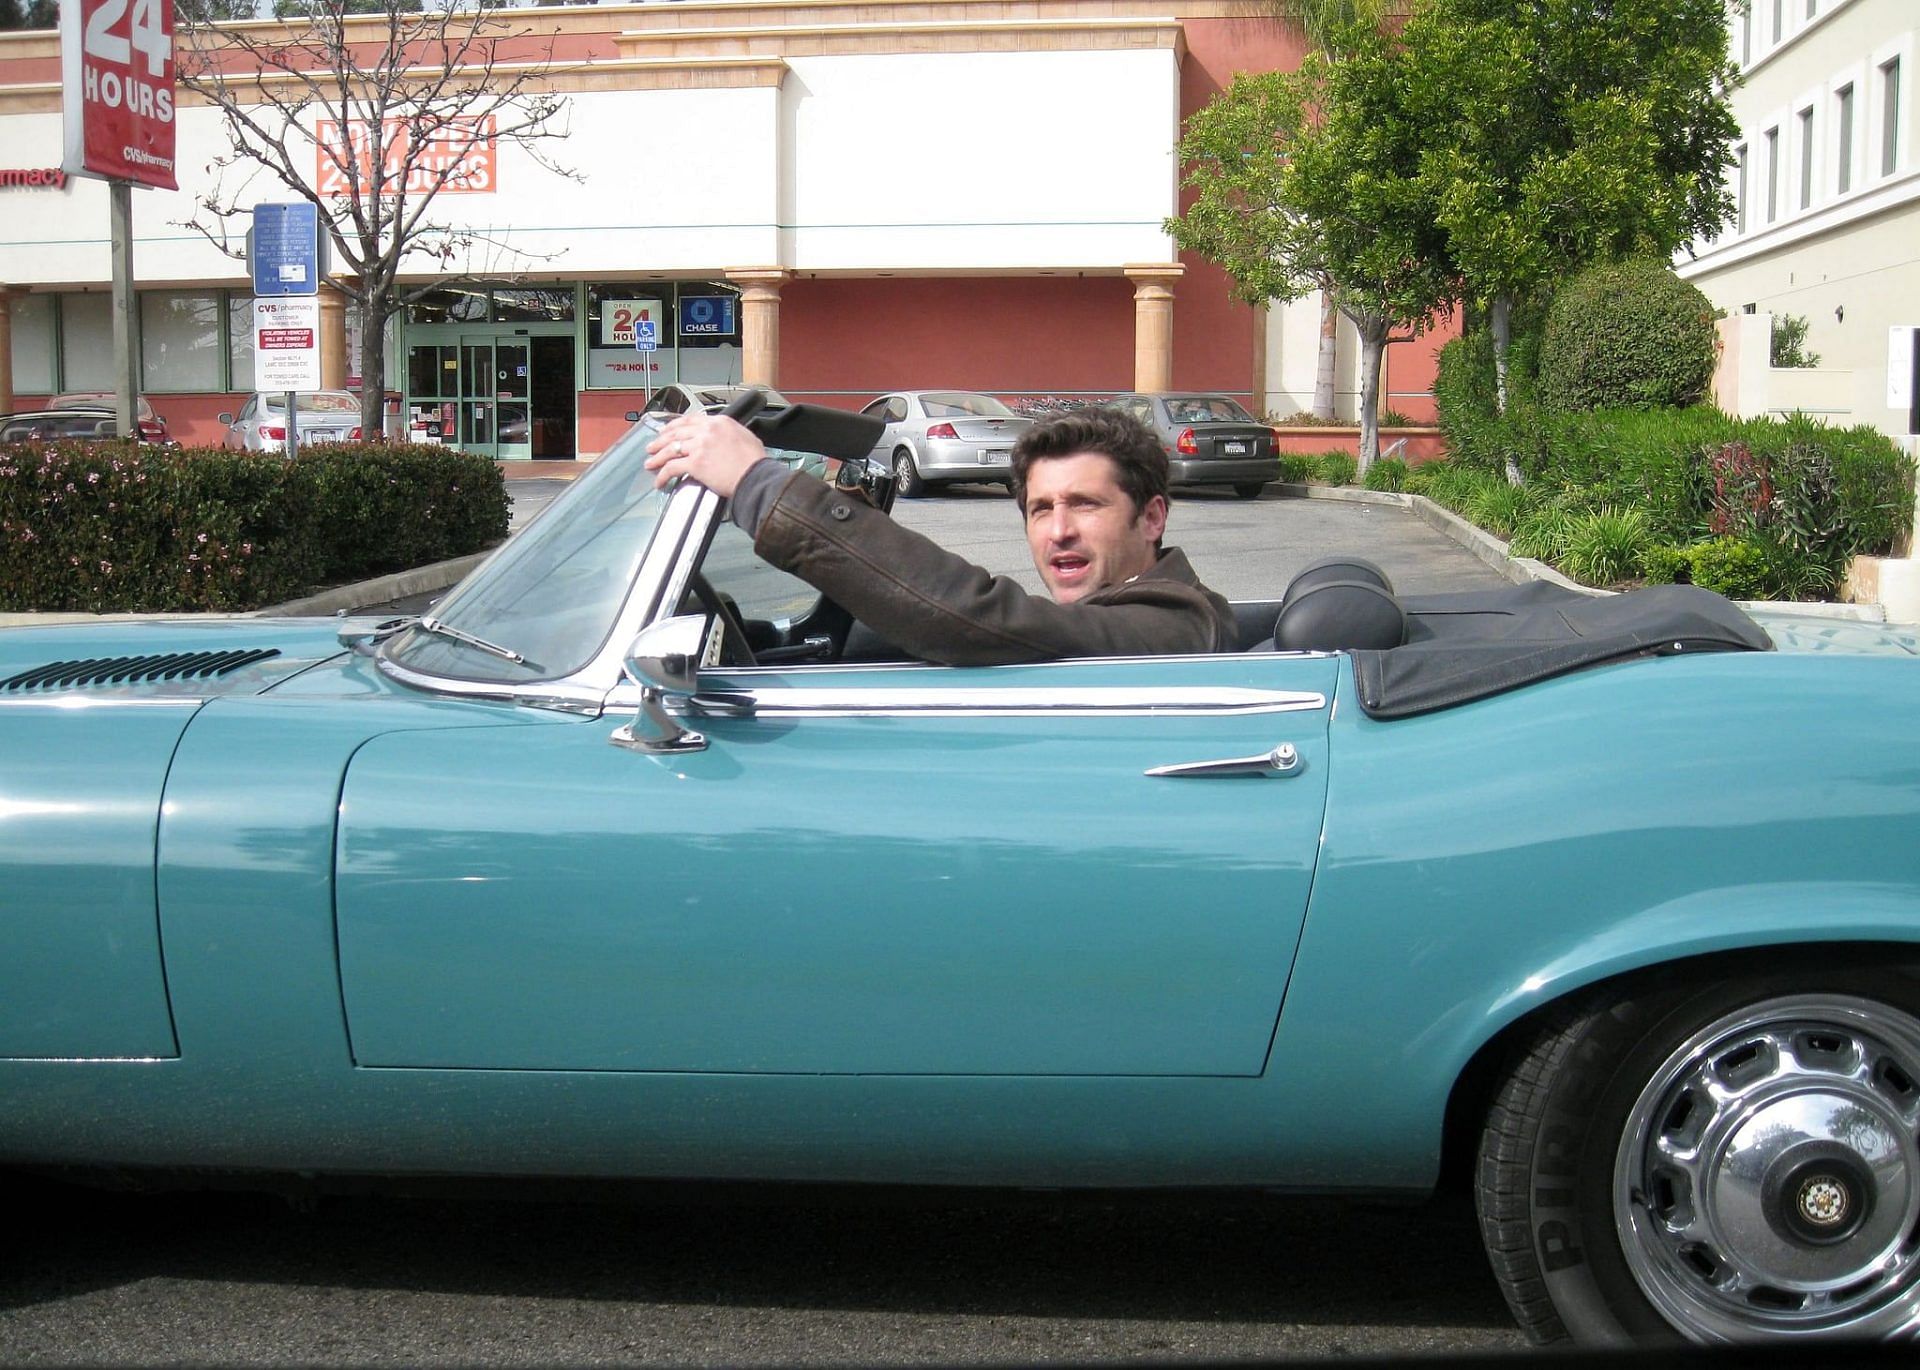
[[1135, 451]]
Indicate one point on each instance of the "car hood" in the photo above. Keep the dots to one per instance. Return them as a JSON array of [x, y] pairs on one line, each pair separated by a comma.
[[1802, 632], [201, 658]]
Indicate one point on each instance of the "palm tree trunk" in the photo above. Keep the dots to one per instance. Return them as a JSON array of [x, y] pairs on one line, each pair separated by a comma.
[[1326, 363]]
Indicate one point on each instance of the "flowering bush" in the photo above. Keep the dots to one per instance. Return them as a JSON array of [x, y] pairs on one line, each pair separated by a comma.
[[104, 527]]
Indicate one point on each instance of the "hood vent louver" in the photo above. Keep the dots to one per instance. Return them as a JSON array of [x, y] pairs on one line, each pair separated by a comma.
[[134, 670]]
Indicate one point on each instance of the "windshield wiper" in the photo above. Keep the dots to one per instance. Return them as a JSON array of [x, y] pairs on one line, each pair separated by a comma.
[[434, 625]]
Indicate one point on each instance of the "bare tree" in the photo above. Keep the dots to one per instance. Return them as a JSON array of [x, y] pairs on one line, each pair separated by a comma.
[[372, 117]]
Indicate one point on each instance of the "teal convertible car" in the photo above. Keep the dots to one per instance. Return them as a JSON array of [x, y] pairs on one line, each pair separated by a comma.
[[1609, 907]]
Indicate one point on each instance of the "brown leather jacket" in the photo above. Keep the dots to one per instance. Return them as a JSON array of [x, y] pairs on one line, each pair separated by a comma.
[[941, 607]]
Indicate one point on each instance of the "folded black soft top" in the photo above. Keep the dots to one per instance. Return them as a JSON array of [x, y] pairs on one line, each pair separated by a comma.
[[1463, 647]]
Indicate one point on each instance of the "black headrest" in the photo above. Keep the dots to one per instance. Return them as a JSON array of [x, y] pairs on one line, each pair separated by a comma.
[[1339, 616], [1329, 569]]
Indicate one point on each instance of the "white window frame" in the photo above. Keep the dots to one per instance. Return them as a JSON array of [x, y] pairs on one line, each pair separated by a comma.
[[1899, 50]]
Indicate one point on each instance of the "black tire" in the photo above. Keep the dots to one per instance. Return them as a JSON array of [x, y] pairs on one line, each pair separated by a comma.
[[1250, 489], [907, 482], [1620, 1197]]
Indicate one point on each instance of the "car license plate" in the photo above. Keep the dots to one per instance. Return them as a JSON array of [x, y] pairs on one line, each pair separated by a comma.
[[1234, 448], [990, 458], [325, 435]]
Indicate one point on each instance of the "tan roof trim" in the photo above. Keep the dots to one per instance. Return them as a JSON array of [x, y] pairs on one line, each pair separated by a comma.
[[1018, 35]]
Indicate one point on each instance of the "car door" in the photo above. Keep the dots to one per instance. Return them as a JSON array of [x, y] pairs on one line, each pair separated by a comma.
[[893, 869], [892, 411]]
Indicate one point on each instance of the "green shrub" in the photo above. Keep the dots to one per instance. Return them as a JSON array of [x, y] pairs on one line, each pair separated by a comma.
[[1646, 459], [1730, 566], [1393, 418], [113, 527], [1338, 468], [1497, 506], [1664, 564], [1607, 548], [1787, 347], [1545, 532], [1626, 334], [1388, 473], [1297, 469]]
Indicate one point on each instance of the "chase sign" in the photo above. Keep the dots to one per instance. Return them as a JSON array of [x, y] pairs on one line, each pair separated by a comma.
[[707, 316]]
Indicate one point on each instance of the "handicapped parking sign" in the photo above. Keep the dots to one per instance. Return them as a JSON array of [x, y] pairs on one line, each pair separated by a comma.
[[706, 316], [646, 335]]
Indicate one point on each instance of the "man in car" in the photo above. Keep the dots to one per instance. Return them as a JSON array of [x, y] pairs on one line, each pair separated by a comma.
[[1093, 488]]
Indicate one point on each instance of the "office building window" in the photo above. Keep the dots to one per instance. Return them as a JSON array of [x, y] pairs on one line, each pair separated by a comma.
[[1890, 117], [1740, 189], [1806, 159], [1772, 141], [32, 345], [1812, 5], [180, 343], [1779, 20], [240, 342], [1843, 128], [86, 342]]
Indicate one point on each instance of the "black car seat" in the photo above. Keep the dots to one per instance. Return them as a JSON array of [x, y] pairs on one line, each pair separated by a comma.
[[1339, 604]]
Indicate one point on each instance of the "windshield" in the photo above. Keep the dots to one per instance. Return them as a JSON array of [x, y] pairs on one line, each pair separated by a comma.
[[316, 402], [1206, 409], [554, 592], [955, 406]]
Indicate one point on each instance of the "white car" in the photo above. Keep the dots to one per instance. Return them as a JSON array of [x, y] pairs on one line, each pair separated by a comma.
[[321, 416], [681, 397]]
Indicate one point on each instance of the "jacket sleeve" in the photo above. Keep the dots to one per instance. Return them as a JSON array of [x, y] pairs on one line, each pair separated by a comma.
[[941, 607]]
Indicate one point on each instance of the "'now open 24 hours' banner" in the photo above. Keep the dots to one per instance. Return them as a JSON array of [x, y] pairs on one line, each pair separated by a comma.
[[117, 66]]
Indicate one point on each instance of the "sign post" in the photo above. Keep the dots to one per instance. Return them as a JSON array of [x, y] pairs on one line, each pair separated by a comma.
[[116, 64], [284, 257], [646, 339]]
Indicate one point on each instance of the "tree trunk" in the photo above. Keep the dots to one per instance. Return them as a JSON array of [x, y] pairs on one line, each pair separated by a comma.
[[1325, 365], [1500, 323], [373, 369], [1373, 351]]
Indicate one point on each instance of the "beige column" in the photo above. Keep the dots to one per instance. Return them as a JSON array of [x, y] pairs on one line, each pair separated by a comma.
[[333, 337], [1153, 323], [760, 323], [6, 350]]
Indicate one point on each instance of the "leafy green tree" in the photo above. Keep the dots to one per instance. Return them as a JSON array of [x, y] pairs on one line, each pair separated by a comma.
[[29, 14], [1324, 24], [1565, 132], [13, 15], [1788, 345], [1310, 180]]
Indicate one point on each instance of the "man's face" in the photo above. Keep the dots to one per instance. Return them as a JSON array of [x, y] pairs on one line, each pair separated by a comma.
[[1082, 527]]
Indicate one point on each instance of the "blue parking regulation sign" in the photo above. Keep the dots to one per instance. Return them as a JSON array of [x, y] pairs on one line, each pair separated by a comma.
[[646, 335], [706, 316], [283, 246]]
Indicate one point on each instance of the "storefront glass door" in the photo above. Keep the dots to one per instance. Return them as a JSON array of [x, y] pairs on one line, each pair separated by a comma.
[[494, 390]]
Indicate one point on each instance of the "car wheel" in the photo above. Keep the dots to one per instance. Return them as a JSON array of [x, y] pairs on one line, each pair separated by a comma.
[[1723, 1162], [1249, 490], [907, 483]]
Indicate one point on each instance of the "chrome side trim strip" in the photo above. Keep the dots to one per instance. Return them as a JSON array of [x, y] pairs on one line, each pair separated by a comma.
[[1013, 701], [92, 699]]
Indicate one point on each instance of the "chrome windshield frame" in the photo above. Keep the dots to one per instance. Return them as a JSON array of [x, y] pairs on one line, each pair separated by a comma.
[[660, 578]]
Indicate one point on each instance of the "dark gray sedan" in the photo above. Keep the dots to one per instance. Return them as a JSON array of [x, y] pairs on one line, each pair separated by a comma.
[[1210, 439], [936, 436]]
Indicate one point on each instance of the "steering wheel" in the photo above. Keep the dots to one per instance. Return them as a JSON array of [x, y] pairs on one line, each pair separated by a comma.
[[733, 637]]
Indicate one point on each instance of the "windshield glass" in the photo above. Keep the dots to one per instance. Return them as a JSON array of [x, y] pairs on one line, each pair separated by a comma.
[[554, 592], [1206, 409], [953, 406], [316, 402]]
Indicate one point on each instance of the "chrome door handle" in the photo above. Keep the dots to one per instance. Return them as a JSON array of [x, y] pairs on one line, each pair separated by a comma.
[[1282, 760]]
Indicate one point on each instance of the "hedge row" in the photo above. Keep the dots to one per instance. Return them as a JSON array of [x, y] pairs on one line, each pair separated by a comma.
[[113, 527], [1776, 503]]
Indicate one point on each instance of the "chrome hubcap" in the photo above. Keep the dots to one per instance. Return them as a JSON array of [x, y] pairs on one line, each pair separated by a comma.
[[1768, 1181]]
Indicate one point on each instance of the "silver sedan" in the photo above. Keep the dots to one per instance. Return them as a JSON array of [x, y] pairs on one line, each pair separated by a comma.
[[319, 415], [936, 436]]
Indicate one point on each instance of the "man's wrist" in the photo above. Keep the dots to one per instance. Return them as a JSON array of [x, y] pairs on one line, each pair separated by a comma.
[[754, 496]]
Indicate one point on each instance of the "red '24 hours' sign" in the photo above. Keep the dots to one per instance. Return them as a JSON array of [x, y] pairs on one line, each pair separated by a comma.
[[117, 63]]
